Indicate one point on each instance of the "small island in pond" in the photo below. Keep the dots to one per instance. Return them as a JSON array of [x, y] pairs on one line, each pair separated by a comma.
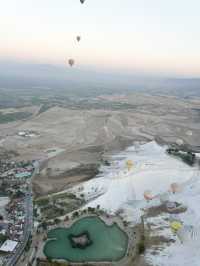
[[81, 241]]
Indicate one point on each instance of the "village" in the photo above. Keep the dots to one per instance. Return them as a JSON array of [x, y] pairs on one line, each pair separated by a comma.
[[16, 219]]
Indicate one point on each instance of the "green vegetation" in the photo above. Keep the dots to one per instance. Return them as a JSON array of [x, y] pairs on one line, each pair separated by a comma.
[[42, 201], [28, 245], [64, 195], [35, 100], [46, 199], [44, 108], [57, 205], [51, 212], [141, 247], [3, 238], [11, 117], [187, 157], [50, 263]]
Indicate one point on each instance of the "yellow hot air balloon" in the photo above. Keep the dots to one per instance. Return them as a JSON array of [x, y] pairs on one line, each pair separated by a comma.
[[129, 164], [175, 226]]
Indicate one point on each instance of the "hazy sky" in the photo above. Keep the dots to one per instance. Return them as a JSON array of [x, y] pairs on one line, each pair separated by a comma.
[[161, 36]]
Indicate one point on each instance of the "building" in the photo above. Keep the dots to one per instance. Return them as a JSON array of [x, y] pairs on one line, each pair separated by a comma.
[[8, 246]]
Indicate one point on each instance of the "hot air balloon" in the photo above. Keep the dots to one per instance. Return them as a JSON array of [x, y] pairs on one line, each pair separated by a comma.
[[71, 62], [82, 1], [175, 188], [78, 38], [175, 226], [148, 195], [129, 164]]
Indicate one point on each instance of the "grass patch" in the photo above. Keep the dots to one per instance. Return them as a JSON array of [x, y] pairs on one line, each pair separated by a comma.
[[141, 247], [11, 117], [57, 205], [187, 157], [42, 202]]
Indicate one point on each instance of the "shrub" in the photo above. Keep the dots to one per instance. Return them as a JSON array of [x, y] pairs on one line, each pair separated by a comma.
[[141, 247]]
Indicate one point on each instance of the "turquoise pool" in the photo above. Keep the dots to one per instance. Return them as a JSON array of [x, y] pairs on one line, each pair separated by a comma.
[[109, 243]]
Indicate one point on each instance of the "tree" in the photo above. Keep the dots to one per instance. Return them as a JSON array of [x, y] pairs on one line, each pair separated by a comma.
[[75, 214], [44, 225], [57, 221], [3, 238]]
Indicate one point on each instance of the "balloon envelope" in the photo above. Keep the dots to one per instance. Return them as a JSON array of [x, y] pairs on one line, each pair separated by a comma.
[[129, 164], [71, 62], [175, 188], [175, 226], [78, 38], [82, 1], [148, 195]]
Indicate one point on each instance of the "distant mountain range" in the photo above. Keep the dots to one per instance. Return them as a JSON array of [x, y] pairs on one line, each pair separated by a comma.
[[28, 75]]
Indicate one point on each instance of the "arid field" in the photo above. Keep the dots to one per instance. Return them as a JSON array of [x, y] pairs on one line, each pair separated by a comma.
[[71, 142]]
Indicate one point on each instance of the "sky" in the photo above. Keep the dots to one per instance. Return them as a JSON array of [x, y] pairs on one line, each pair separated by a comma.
[[135, 36]]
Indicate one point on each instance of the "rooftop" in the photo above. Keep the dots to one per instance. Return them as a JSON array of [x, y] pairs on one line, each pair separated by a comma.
[[8, 246]]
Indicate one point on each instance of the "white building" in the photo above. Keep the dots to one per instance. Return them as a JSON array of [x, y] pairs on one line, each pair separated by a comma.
[[8, 246]]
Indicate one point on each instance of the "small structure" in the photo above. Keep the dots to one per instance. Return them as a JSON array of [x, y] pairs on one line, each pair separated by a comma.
[[23, 174], [8, 246], [22, 133]]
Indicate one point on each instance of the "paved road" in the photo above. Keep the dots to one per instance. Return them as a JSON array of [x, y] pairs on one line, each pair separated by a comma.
[[28, 225]]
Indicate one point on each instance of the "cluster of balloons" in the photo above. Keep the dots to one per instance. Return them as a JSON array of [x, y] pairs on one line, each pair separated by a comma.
[[78, 38]]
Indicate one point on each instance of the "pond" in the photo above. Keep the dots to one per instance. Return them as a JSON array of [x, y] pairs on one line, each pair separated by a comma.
[[109, 243]]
